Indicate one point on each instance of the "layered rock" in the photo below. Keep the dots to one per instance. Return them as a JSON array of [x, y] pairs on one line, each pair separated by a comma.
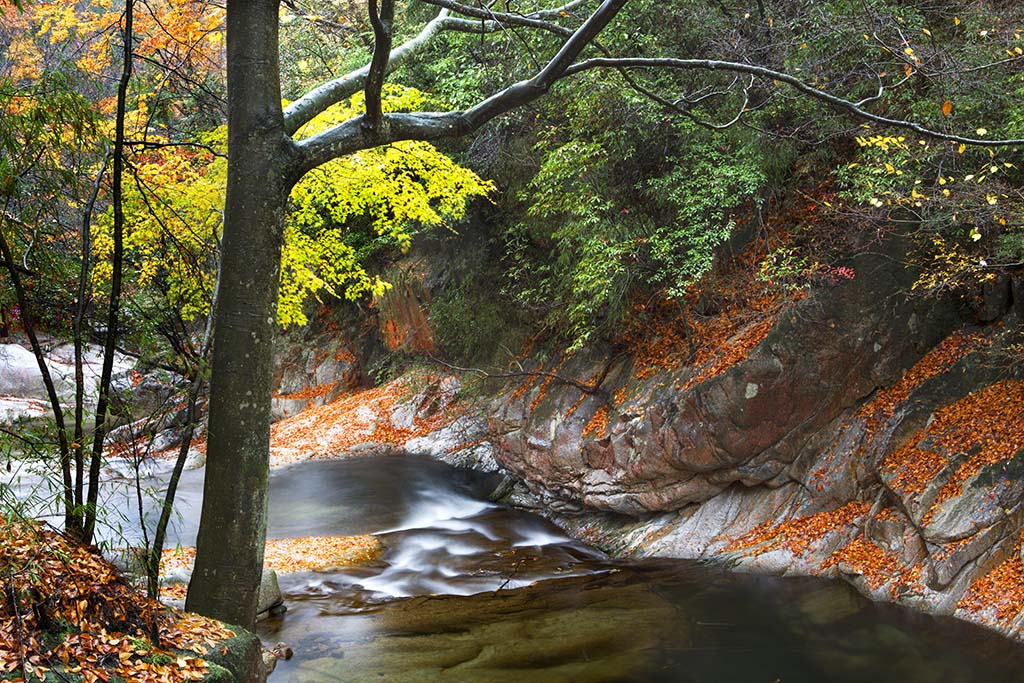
[[858, 433], [865, 436]]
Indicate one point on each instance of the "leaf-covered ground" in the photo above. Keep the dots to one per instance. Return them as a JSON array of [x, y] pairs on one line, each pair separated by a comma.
[[286, 556], [360, 417], [63, 608]]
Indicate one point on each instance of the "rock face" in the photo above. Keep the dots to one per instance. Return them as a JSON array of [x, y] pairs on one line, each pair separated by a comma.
[[312, 371], [270, 593], [859, 433], [868, 437], [664, 448], [22, 391]]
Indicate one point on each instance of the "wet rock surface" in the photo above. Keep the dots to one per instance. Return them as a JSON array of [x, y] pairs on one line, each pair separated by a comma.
[[495, 595], [877, 443]]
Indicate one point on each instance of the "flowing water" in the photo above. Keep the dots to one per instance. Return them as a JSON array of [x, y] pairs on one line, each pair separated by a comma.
[[471, 592]]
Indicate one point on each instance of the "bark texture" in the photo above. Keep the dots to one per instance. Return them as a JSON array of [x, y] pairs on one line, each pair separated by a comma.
[[229, 556]]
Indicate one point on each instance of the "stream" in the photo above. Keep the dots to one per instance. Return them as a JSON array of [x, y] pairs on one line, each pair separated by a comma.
[[471, 592], [468, 591]]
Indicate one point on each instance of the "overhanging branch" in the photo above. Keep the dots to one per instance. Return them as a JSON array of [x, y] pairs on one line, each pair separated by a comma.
[[835, 101], [481, 20], [352, 136], [306, 108]]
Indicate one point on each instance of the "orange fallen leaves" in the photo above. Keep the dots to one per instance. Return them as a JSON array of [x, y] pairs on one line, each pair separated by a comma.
[[798, 534], [936, 362], [913, 467], [52, 585], [665, 335], [984, 427], [877, 565], [998, 597], [545, 384], [290, 555], [309, 392], [598, 424], [359, 417]]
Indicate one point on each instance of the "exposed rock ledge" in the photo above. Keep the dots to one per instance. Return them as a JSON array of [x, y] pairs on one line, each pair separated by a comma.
[[866, 436], [884, 448]]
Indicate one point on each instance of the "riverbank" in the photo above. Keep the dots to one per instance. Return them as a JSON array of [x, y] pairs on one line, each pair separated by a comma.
[[68, 614], [825, 437]]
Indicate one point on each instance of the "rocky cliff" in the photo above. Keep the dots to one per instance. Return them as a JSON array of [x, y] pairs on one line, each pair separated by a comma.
[[867, 435], [855, 432]]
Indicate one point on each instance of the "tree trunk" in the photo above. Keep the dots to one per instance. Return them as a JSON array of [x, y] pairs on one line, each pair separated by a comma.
[[225, 583]]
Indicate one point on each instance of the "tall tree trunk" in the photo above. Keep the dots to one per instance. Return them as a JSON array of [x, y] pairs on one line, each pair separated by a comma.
[[225, 583]]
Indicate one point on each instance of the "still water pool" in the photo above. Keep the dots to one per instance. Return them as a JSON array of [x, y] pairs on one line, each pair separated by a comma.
[[471, 592]]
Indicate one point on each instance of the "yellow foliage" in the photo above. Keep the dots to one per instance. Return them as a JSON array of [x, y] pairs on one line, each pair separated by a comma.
[[174, 215], [951, 268]]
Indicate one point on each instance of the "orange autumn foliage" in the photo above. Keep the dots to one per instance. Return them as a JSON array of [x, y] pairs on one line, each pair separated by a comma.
[[798, 534], [309, 392], [936, 362], [363, 416], [598, 424], [665, 336], [51, 581], [290, 555]]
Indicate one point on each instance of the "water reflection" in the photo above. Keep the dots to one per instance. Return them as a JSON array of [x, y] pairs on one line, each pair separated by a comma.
[[521, 602]]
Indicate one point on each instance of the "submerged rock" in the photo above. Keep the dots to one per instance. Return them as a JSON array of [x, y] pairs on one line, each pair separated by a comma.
[[270, 593]]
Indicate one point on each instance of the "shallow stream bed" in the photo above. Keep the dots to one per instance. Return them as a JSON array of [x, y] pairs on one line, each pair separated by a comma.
[[471, 592]]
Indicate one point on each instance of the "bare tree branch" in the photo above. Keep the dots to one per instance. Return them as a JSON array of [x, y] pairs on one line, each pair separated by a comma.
[[486, 14], [304, 109], [381, 21], [351, 136], [795, 83]]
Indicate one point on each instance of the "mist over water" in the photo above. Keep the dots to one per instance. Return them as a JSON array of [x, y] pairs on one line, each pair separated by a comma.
[[441, 536]]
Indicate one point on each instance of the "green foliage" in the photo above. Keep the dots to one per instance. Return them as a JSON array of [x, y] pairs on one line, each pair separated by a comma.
[[966, 200], [472, 322], [46, 129], [618, 226]]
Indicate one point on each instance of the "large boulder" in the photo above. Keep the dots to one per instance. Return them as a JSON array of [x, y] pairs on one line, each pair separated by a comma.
[[673, 446], [21, 378]]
